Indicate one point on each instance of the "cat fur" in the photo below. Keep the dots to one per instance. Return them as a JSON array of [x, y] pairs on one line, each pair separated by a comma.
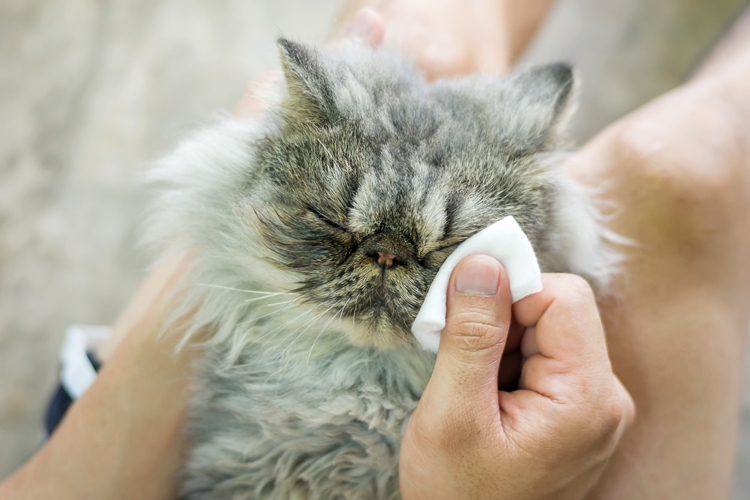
[[310, 371]]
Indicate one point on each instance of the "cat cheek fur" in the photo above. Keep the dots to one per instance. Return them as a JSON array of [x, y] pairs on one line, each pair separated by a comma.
[[310, 371]]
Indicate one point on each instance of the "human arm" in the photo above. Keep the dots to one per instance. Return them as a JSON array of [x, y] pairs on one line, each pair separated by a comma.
[[123, 437]]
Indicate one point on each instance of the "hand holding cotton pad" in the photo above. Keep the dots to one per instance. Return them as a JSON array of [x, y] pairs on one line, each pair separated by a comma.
[[505, 241]]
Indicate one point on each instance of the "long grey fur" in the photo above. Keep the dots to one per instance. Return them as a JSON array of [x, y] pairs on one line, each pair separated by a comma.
[[311, 372]]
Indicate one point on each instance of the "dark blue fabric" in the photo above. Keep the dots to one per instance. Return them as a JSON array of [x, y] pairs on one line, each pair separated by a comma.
[[59, 404], [61, 401], [94, 362]]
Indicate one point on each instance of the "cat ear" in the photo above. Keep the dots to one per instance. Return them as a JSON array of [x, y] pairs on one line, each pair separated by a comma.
[[309, 98], [542, 98]]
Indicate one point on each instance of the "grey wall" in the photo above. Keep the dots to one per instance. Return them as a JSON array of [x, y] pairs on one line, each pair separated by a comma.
[[91, 90]]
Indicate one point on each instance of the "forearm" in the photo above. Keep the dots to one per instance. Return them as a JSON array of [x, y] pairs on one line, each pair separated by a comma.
[[124, 437]]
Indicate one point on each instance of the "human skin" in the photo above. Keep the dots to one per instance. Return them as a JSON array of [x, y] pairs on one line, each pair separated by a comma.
[[550, 438], [678, 171], [123, 438], [449, 38]]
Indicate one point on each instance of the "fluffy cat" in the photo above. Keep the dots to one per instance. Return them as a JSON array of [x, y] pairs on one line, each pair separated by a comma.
[[317, 231]]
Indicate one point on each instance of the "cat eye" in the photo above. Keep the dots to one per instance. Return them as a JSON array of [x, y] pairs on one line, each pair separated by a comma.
[[447, 249], [326, 220]]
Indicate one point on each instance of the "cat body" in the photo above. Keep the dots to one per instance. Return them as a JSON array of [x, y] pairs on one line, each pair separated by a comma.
[[316, 232]]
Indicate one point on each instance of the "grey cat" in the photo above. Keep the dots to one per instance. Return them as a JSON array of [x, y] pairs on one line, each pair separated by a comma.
[[317, 231]]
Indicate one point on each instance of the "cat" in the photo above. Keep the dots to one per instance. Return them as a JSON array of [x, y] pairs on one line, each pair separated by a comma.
[[316, 231]]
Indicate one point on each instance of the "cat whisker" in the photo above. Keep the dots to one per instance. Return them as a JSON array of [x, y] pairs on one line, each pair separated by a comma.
[[220, 287], [340, 315], [281, 369], [301, 327], [305, 327], [266, 297], [277, 329], [303, 331], [277, 311], [285, 302]]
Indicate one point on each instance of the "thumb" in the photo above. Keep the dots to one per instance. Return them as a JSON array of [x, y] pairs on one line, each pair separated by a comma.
[[477, 323]]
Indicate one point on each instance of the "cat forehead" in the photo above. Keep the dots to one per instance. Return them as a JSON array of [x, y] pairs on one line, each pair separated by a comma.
[[413, 117], [382, 93], [398, 192], [414, 198]]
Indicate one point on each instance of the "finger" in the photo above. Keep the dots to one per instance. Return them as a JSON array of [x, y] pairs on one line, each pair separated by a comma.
[[477, 323], [568, 354], [627, 406], [259, 95], [515, 336], [367, 26], [566, 320], [528, 343], [512, 360]]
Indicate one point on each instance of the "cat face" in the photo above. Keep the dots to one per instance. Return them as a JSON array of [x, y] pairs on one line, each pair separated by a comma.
[[371, 177]]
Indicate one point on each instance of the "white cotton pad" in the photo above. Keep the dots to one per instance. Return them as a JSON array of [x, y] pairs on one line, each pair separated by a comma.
[[505, 241]]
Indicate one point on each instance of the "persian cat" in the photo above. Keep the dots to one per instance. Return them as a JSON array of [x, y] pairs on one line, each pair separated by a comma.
[[317, 230]]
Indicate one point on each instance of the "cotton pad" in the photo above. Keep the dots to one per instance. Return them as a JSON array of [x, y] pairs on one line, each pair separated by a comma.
[[505, 241]]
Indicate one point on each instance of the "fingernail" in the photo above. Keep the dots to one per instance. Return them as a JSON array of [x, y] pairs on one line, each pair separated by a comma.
[[360, 27], [478, 276]]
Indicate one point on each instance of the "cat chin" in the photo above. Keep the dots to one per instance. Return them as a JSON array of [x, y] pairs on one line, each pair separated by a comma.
[[382, 335]]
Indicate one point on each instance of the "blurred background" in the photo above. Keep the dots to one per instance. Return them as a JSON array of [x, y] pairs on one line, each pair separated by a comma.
[[91, 90]]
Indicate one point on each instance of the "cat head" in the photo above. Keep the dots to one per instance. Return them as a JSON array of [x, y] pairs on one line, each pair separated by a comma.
[[370, 176]]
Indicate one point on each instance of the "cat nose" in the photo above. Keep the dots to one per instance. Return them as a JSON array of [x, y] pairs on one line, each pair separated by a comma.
[[387, 252], [387, 259]]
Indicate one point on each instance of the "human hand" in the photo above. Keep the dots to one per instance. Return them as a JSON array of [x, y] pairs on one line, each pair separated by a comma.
[[445, 38], [448, 38], [550, 438]]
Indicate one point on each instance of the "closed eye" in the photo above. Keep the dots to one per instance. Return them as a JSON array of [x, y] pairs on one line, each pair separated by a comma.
[[442, 251], [326, 220], [446, 248]]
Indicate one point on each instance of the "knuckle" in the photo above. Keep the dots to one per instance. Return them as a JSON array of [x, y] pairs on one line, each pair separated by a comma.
[[578, 292], [580, 286], [608, 420], [611, 419], [477, 331], [597, 402]]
